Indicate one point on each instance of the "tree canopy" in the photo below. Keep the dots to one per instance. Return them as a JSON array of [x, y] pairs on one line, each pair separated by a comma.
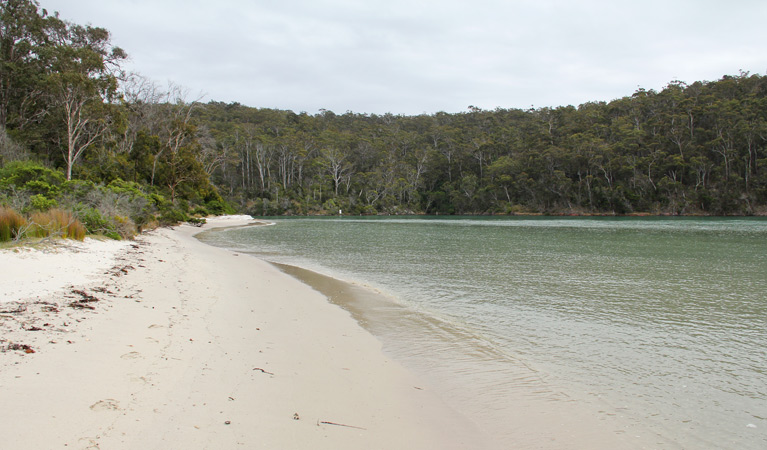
[[688, 149], [66, 103]]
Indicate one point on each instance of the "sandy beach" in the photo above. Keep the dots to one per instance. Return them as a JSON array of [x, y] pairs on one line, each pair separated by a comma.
[[166, 342]]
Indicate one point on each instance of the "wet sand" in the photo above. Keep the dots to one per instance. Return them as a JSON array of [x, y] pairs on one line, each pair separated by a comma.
[[512, 404]]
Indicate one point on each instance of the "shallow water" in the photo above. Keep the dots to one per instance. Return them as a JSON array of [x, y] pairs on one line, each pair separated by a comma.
[[659, 322]]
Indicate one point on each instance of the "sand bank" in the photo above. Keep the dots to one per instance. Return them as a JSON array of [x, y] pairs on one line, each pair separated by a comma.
[[42, 270], [170, 343]]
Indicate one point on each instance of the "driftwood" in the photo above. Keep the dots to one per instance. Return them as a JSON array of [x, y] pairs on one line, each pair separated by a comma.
[[340, 425], [78, 305], [103, 290]]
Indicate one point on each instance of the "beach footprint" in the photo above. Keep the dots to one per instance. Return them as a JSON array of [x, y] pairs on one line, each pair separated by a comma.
[[141, 380], [108, 404]]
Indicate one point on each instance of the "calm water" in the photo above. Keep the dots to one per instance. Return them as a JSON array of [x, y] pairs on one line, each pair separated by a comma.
[[661, 322]]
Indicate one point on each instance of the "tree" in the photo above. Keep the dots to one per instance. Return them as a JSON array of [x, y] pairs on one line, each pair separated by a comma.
[[21, 33], [83, 83], [174, 128], [335, 163]]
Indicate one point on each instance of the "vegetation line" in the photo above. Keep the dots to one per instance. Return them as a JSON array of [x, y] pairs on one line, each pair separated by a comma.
[[79, 135]]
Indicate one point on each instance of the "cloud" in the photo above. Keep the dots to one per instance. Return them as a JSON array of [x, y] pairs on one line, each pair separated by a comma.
[[425, 56]]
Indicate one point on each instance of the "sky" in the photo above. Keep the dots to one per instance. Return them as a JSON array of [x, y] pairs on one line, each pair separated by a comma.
[[423, 56]]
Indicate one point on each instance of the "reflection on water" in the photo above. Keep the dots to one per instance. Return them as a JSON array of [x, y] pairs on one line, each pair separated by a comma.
[[659, 321]]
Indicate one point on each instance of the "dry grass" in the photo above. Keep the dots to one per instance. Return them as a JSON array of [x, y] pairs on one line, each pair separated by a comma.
[[56, 223], [11, 224]]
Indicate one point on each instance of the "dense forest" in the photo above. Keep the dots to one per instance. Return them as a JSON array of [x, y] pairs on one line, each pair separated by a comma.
[[78, 132]]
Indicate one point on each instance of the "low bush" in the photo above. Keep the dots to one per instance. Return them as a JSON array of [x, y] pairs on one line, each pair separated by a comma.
[[114, 227], [40, 178], [126, 228], [172, 217], [200, 211], [40, 202], [196, 221], [96, 223]]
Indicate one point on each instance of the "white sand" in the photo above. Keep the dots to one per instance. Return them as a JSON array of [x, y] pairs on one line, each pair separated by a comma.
[[195, 347], [38, 272]]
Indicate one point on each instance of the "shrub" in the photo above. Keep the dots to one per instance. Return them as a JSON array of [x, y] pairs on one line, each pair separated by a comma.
[[172, 217], [200, 211], [41, 187], [78, 188], [197, 222], [131, 188], [183, 205], [95, 222], [40, 202], [57, 223], [11, 224], [126, 228], [216, 207], [115, 227], [19, 173]]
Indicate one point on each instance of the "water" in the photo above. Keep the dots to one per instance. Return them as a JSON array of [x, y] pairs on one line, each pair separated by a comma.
[[657, 325]]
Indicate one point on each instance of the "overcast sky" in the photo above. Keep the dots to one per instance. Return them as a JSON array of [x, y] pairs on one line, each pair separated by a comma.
[[415, 56]]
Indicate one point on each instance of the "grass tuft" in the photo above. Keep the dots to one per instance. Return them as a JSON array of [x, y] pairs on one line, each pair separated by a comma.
[[56, 223], [11, 224]]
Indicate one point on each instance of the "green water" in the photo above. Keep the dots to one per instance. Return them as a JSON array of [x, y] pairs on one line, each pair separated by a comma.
[[661, 319]]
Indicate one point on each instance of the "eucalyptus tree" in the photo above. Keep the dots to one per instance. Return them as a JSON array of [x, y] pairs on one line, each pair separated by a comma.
[[174, 127], [82, 82], [22, 32]]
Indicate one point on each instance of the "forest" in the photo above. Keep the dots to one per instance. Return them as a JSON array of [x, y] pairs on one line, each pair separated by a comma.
[[121, 152]]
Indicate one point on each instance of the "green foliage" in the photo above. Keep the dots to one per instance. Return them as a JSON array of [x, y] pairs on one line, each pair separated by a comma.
[[129, 188], [697, 148], [172, 216], [78, 188], [96, 223], [196, 222], [200, 211], [218, 207], [688, 149], [31, 176], [40, 202]]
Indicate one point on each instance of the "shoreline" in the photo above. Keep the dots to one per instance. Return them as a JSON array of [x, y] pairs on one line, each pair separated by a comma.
[[531, 409], [193, 346]]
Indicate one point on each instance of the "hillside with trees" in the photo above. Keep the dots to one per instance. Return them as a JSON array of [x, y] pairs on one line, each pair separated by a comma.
[[688, 149], [121, 152]]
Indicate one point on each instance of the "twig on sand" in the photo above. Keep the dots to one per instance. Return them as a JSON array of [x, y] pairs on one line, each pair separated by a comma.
[[86, 297], [79, 305], [20, 308], [340, 425], [263, 371]]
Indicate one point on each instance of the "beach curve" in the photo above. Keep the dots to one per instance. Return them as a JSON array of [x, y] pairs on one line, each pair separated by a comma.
[[192, 346]]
